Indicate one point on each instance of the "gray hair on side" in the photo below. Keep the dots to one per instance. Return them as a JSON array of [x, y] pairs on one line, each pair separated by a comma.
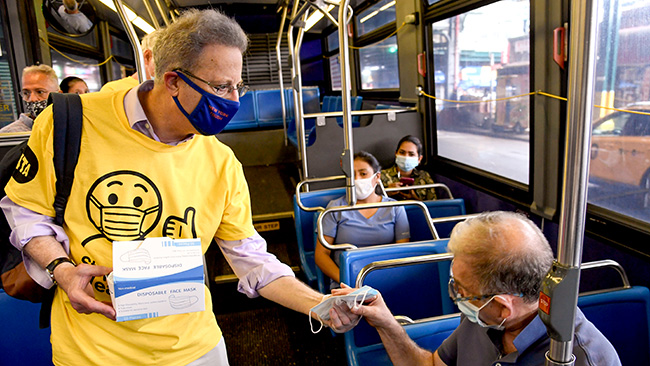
[[180, 44], [149, 41], [508, 253], [45, 70]]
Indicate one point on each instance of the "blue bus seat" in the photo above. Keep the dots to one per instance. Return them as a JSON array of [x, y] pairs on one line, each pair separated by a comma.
[[427, 334], [311, 104], [23, 343], [416, 291], [623, 316], [269, 107], [246, 116], [305, 226], [438, 208]]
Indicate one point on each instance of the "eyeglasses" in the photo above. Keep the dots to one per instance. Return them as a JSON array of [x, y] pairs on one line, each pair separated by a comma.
[[455, 296], [221, 90], [40, 93]]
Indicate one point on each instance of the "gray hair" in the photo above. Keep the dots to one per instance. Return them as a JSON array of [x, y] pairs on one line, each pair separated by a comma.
[[45, 70], [508, 253], [149, 41], [180, 44]]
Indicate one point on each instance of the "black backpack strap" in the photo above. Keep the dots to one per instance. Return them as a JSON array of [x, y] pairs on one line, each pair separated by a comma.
[[68, 116]]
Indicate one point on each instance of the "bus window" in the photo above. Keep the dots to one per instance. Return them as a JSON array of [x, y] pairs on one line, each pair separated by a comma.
[[379, 67], [333, 41], [476, 61], [84, 69], [619, 175], [375, 16], [8, 107], [335, 72]]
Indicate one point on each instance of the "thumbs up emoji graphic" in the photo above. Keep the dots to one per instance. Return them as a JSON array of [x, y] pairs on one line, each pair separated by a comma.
[[175, 227]]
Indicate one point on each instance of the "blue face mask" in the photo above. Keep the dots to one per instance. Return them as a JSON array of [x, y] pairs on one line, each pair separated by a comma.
[[471, 311], [406, 163], [212, 113]]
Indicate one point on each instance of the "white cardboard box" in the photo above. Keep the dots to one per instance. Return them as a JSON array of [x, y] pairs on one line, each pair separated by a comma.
[[157, 277]]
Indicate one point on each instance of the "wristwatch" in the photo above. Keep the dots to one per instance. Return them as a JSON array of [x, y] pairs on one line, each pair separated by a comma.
[[53, 264]]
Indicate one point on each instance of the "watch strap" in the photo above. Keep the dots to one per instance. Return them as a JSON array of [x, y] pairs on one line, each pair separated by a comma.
[[55, 263]]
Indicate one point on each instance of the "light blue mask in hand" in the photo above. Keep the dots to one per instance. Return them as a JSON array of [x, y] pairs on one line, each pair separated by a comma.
[[471, 311], [353, 300]]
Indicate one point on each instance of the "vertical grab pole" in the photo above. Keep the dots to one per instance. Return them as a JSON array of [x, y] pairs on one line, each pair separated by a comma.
[[294, 72], [152, 15], [162, 12], [278, 53], [128, 28], [297, 98], [347, 158], [559, 296]]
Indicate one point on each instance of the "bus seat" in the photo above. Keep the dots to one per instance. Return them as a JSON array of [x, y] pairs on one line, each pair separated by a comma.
[[427, 334], [246, 116], [416, 291], [623, 316], [23, 343], [305, 228], [438, 208], [311, 104], [269, 107]]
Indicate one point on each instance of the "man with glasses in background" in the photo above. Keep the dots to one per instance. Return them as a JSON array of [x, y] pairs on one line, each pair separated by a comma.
[[38, 82], [500, 260]]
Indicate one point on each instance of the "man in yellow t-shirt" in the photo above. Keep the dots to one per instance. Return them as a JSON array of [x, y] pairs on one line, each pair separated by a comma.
[[154, 170], [129, 82]]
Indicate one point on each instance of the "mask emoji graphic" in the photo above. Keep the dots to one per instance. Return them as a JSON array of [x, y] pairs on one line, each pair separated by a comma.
[[124, 205]]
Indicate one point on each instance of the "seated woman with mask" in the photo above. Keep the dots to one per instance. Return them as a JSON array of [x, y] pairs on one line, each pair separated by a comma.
[[404, 173], [366, 227]]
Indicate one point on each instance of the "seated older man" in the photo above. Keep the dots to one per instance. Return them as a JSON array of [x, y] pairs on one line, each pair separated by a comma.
[[38, 82], [500, 260]]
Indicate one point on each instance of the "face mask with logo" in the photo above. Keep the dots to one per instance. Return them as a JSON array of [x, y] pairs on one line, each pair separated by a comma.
[[33, 109], [212, 114], [471, 311], [120, 222], [364, 187], [406, 163]]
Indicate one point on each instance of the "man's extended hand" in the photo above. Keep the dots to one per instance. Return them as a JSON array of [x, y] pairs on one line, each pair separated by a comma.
[[75, 281], [376, 312]]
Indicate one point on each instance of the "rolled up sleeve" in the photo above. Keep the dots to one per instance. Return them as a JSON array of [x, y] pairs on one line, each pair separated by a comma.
[[253, 265], [26, 224]]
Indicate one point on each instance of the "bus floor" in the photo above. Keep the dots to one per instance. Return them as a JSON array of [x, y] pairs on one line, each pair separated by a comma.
[[262, 333]]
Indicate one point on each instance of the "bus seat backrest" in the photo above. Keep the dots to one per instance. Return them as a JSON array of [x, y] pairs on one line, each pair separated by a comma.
[[305, 225], [439, 208], [428, 335], [310, 103], [417, 291], [623, 316], [23, 343], [246, 116]]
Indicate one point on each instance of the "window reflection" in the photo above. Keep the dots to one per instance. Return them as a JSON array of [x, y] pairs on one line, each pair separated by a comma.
[[65, 67], [476, 61], [376, 16], [379, 66], [335, 72], [619, 175]]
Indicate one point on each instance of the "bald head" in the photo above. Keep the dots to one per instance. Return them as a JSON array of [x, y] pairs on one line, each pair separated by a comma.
[[507, 252]]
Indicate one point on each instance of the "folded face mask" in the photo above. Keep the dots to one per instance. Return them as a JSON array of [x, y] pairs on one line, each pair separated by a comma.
[[353, 300]]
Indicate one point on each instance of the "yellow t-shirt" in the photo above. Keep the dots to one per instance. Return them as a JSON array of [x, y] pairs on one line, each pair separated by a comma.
[[128, 186], [120, 84]]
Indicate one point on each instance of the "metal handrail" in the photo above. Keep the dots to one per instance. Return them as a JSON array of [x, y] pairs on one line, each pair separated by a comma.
[[278, 54], [608, 263], [365, 112], [422, 186], [313, 180], [135, 43], [152, 15], [399, 262], [438, 220], [361, 206]]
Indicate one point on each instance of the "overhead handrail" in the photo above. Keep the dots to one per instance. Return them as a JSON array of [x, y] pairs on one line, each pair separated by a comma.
[[162, 12], [313, 180], [361, 206], [151, 14], [608, 263], [399, 262], [278, 53], [135, 43], [422, 186]]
